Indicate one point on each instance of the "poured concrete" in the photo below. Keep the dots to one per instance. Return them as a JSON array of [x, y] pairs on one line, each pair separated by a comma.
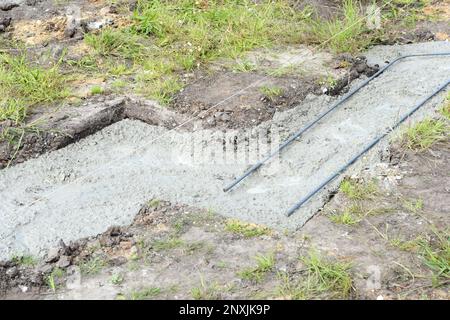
[[105, 178]]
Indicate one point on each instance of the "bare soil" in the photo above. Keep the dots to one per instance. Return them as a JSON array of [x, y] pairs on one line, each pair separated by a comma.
[[205, 255], [43, 27]]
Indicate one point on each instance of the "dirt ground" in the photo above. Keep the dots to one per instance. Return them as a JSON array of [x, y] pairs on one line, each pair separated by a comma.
[[173, 251], [177, 252], [46, 31]]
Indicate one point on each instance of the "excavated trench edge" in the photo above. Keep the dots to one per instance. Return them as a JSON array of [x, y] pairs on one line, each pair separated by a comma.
[[118, 108]]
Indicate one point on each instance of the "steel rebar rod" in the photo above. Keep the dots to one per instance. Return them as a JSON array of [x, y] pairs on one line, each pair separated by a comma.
[[366, 149], [320, 117]]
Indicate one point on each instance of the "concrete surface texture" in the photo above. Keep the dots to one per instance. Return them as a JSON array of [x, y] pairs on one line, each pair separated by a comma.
[[104, 179]]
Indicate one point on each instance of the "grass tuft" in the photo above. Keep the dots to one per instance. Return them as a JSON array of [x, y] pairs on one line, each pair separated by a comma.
[[186, 34], [92, 266], [145, 294], [436, 256], [96, 90], [167, 244], [248, 230], [116, 43], [206, 291], [424, 134], [357, 190], [264, 264], [25, 260], [347, 217], [25, 85], [331, 278], [271, 92], [345, 33]]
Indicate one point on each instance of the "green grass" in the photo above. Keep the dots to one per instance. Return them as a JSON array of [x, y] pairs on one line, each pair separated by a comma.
[[145, 294], [53, 278], [445, 110], [92, 266], [347, 217], [116, 279], [285, 70], [329, 81], [96, 90], [248, 230], [404, 13], [25, 85], [25, 260], [264, 264], [321, 279], [357, 190], [326, 277], [154, 203], [413, 205], [407, 245], [288, 288], [424, 134], [243, 66], [167, 244], [168, 38], [271, 92], [207, 291], [436, 256], [345, 33], [116, 43]]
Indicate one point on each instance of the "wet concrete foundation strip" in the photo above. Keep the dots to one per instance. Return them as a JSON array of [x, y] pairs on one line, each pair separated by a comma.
[[104, 179]]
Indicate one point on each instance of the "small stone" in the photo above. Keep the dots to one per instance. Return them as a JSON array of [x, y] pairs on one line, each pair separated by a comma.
[[73, 277], [361, 67], [64, 262], [23, 288], [44, 268], [96, 25], [5, 22], [115, 231], [52, 255], [226, 117], [8, 5], [71, 27], [12, 272]]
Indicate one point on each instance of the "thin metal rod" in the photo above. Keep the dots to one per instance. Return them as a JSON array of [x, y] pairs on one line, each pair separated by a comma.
[[367, 148], [312, 123]]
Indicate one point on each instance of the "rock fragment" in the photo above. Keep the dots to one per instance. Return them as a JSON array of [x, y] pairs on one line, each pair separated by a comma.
[[4, 23], [8, 5]]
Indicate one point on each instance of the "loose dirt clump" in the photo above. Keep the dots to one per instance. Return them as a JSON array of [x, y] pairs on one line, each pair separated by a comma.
[[242, 110], [263, 96]]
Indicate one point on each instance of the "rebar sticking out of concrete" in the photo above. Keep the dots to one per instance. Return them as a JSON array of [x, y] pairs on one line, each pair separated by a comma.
[[320, 117], [303, 200]]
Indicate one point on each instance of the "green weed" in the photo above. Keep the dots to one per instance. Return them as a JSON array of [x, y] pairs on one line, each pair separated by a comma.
[[357, 190], [265, 264], [248, 230], [25, 85], [425, 134], [271, 92]]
